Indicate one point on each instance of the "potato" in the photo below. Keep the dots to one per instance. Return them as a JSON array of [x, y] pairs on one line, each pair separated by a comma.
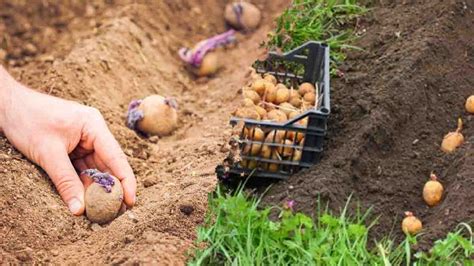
[[275, 136], [247, 112], [433, 191], [274, 167], [293, 114], [256, 76], [303, 122], [246, 102], [295, 101], [159, 115], [270, 78], [294, 93], [286, 108], [286, 151], [259, 86], [261, 111], [255, 134], [250, 164], [305, 88], [277, 115], [410, 224], [252, 95], [270, 92], [242, 15], [209, 65], [252, 149], [297, 155], [282, 94], [310, 98], [470, 104], [453, 140], [301, 141], [103, 198], [266, 152], [299, 136]]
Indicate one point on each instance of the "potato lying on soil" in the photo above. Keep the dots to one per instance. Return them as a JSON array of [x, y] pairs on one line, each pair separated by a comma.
[[154, 115], [410, 224], [209, 65], [452, 140], [470, 104], [103, 198], [242, 15], [433, 191]]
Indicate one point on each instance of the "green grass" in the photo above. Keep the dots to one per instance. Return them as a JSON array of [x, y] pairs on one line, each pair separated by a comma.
[[237, 232], [329, 21]]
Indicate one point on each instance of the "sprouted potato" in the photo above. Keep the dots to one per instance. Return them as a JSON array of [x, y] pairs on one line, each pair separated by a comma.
[[103, 198], [452, 140], [433, 191], [242, 15], [209, 65], [154, 115], [410, 224]]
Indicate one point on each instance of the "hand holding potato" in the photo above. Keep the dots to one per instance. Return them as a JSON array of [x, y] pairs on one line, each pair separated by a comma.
[[62, 137]]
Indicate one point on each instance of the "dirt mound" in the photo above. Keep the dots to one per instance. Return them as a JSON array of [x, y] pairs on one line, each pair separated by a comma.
[[398, 98], [124, 51]]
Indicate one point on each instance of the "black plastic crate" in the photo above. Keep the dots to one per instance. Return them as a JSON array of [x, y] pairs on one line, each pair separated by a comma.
[[307, 63]]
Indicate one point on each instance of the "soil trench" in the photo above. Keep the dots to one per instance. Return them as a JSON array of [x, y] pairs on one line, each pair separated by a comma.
[[105, 58]]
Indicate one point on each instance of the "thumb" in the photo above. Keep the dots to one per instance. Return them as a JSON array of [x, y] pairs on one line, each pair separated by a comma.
[[61, 171]]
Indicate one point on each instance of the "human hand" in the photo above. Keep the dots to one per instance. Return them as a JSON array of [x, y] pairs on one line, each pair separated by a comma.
[[61, 137]]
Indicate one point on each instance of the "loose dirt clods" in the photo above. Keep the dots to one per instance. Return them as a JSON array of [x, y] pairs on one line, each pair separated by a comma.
[[125, 51], [391, 106]]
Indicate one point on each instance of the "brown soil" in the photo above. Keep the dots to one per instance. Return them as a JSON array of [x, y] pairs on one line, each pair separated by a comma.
[[398, 90], [104, 54], [389, 114]]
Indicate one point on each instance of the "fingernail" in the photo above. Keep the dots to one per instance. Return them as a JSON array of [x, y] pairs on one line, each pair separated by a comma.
[[74, 205], [134, 199]]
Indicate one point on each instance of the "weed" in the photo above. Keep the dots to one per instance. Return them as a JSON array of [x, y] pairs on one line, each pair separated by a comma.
[[237, 232], [328, 21]]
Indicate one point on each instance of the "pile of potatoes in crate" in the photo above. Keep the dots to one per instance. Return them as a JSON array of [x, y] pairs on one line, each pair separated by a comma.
[[267, 100]]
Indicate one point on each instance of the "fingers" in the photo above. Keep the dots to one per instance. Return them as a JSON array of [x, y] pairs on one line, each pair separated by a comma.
[[55, 161], [81, 165], [109, 152]]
